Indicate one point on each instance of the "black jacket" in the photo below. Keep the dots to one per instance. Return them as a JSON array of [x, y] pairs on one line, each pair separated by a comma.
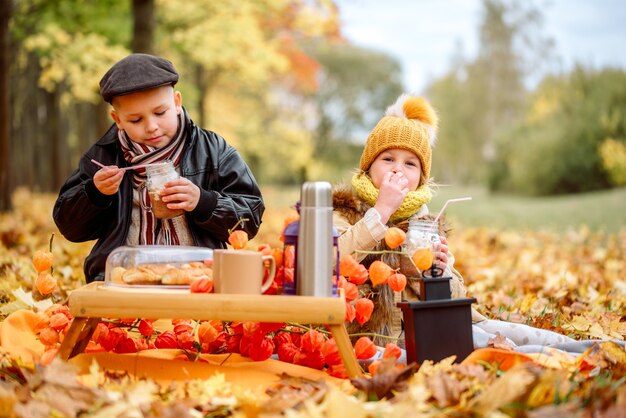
[[228, 192]]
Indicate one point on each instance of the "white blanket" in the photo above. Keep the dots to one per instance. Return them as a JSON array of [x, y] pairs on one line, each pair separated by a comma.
[[527, 339]]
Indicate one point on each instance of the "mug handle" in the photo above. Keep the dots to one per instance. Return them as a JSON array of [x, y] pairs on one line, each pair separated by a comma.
[[142, 201], [272, 274]]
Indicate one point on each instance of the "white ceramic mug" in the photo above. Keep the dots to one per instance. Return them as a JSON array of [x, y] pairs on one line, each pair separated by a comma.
[[241, 271]]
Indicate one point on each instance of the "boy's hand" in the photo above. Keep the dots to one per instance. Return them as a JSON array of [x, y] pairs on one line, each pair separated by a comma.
[[181, 194], [107, 180], [391, 193]]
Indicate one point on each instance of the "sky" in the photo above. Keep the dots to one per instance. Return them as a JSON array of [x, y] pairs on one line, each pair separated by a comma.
[[424, 34]]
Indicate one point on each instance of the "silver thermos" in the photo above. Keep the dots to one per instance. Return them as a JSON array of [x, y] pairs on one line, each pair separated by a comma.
[[315, 240]]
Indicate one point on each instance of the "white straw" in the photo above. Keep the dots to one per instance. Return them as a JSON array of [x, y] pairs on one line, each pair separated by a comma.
[[458, 199]]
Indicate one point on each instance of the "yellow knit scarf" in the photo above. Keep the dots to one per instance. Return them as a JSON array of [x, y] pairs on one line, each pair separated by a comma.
[[411, 204]]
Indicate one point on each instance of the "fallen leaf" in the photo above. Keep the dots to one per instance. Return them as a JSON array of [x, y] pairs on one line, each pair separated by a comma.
[[445, 389], [508, 388], [388, 379], [615, 356], [27, 299], [578, 323], [291, 392], [338, 404], [500, 341], [7, 400], [54, 389], [551, 385]]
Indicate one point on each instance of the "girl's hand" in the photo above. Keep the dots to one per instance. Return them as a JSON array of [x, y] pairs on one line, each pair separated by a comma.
[[108, 179], [441, 253], [391, 193], [181, 194]]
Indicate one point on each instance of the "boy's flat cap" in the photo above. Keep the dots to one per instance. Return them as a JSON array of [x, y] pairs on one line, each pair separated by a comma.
[[137, 72]]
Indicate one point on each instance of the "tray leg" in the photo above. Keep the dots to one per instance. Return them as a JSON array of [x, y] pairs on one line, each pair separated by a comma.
[[345, 350], [77, 337]]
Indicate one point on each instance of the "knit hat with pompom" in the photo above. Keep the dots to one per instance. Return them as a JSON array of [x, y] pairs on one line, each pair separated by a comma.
[[410, 124]]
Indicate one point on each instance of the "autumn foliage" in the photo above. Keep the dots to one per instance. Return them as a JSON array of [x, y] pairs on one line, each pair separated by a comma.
[[571, 283]]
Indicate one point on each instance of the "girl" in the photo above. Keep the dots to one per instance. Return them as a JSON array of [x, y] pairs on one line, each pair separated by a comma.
[[391, 188]]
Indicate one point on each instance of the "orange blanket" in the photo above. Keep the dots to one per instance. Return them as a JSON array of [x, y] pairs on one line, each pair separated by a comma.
[[506, 359], [18, 339]]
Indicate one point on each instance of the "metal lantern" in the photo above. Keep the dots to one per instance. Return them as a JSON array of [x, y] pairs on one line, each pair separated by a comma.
[[290, 254], [436, 311]]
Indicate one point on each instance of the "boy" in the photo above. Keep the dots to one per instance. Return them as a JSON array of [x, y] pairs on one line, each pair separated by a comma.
[[215, 189]]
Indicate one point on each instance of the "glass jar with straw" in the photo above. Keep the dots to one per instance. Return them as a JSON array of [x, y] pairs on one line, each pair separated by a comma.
[[423, 234]]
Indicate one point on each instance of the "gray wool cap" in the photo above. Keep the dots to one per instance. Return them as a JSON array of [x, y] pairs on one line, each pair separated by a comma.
[[137, 72]]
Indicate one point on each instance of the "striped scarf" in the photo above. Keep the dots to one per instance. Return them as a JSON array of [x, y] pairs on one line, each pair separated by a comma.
[[151, 229]]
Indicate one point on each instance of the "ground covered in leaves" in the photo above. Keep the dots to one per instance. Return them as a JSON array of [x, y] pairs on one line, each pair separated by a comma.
[[572, 283]]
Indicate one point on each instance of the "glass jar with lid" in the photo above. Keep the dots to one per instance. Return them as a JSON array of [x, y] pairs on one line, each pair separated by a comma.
[[421, 234], [157, 176]]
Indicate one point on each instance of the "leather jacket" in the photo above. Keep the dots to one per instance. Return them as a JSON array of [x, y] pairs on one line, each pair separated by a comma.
[[228, 192]]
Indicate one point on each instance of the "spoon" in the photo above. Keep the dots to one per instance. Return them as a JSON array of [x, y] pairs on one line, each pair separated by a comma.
[[132, 167]]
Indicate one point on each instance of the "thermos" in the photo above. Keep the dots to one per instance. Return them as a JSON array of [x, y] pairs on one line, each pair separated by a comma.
[[315, 241]]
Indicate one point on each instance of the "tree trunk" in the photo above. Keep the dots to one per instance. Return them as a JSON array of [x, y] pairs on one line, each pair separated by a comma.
[[205, 82], [144, 24], [202, 88], [67, 148], [30, 127], [54, 141], [103, 120], [5, 130]]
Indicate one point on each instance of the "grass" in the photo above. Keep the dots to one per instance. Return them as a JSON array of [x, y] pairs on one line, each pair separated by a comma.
[[602, 211]]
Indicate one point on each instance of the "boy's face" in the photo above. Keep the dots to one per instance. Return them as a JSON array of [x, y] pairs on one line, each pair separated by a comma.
[[149, 117], [396, 160]]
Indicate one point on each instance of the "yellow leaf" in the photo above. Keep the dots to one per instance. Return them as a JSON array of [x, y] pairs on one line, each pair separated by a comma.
[[614, 353], [339, 405], [506, 389], [596, 332], [617, 329], [578, 323], [7, 402], [552, 383]]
